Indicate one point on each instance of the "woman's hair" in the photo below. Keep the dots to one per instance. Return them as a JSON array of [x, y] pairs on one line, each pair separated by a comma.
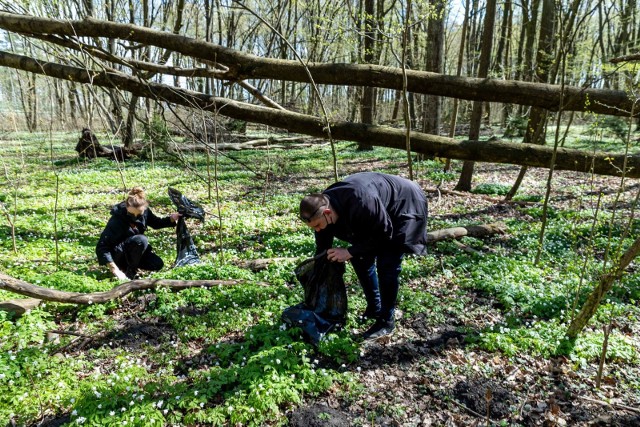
[[311, 204], [137, 198]]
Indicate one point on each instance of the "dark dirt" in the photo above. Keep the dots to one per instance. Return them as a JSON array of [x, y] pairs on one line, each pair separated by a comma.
[[426, 375], [131, 332], [55, 421], [485, 397], [318, 416]]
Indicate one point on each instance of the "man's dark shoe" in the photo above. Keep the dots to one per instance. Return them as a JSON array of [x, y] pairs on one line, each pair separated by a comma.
[[379, 329]]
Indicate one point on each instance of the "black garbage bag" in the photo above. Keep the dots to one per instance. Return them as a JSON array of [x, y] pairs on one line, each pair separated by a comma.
[[187, 253], [186, 207], [325, 298]]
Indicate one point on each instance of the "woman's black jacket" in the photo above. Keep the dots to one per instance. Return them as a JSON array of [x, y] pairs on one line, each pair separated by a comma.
[[120, 227]]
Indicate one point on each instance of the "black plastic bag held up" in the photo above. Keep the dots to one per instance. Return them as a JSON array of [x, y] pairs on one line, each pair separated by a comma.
[[186, 249], [325, 298]]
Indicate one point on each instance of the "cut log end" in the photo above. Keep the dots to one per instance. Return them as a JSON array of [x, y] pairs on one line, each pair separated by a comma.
[[18, 307]]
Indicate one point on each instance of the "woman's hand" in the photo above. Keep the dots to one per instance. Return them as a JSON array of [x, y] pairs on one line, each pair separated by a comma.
[[338, 255], [175, 216], [117, 272], [120, 275]]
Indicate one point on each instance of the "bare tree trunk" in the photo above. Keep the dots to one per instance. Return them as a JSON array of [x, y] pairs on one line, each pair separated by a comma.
[[117, 123], [454, 110], [502, 65], [30, 102], [368, 93], [536, 127], [524, 30], [208, 36], [531, 26], [432, 114], [464, 183], [75, 106], [129, 128], [624, 36], [88, 6], [61, 110]]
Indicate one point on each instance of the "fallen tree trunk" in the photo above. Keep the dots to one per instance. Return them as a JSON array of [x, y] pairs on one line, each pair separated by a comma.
[[11, 284], [253, 144], [481, 230], [614, 164], [18, 307], [263, 263], [238, 65]]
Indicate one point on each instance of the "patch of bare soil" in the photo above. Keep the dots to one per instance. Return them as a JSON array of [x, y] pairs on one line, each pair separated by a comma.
[[484, 397], [55, 421], [318, 416], [130, 331], [426, 376]]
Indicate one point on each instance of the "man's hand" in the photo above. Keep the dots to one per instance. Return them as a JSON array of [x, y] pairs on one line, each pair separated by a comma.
[[175, 217], [338, 255]]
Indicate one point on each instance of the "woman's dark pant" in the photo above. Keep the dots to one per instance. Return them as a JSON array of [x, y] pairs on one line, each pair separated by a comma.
[[379, 278], [135, 253]]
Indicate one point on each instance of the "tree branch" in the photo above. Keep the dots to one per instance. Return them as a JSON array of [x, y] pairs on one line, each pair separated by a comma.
[[605, 283], [20, 287]]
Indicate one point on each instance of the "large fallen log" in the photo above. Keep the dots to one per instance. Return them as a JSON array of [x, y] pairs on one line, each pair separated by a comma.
[[599, 163], [239, 66], [11, 284], [481, 230], [18, 307]]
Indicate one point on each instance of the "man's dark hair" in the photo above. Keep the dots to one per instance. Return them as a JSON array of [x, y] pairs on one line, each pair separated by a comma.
[[311, 204]]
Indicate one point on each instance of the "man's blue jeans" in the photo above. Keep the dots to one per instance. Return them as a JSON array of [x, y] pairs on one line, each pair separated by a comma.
[[378, 276]]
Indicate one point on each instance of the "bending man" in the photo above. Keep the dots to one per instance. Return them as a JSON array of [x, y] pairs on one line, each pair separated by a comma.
[[382, 217]]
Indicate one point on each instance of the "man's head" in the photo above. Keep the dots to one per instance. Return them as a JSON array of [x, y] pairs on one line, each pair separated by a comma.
[[316, 212]]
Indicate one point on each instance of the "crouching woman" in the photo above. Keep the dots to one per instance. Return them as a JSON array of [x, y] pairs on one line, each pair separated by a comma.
[[122, 246]]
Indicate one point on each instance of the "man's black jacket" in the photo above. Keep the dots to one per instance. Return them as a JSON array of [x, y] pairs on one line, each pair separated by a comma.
[[376, 213], [120, 227]]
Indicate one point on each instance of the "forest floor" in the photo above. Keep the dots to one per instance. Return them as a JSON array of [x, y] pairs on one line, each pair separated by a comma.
[[425, 373]]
